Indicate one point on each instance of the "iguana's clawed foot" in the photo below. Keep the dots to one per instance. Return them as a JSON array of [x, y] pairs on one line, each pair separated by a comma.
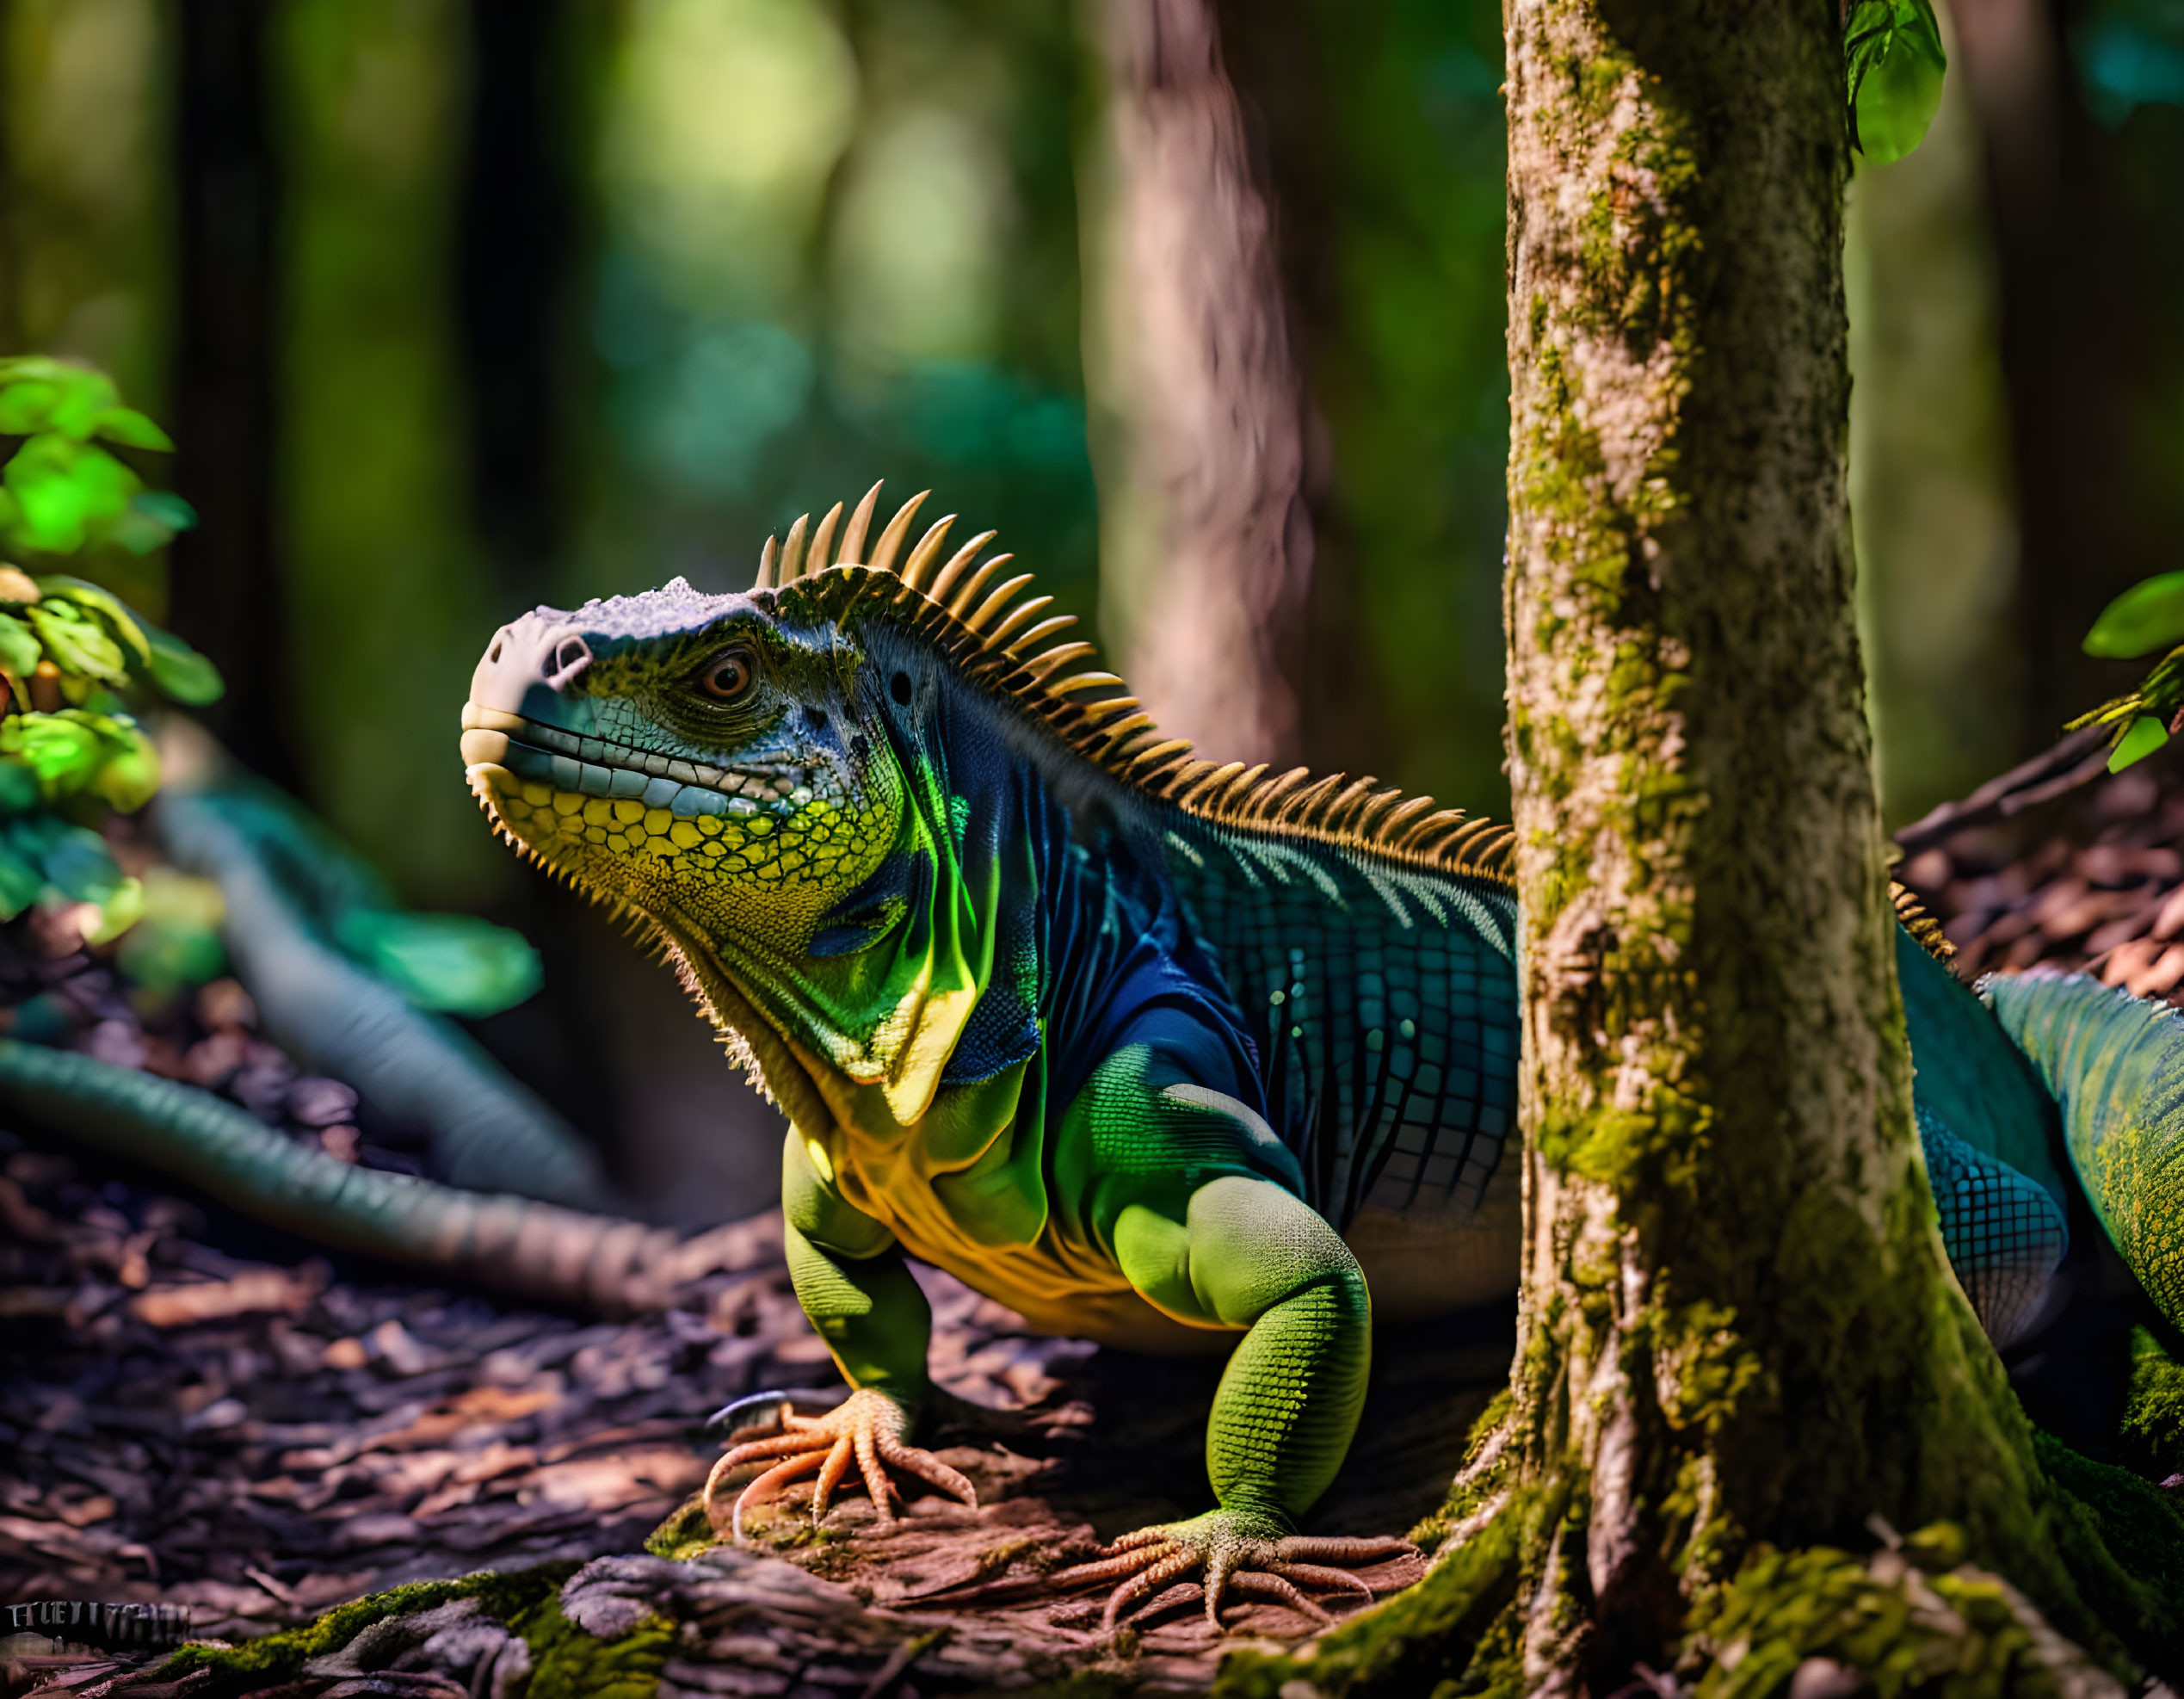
[[866, 1427], [1231, 1552]]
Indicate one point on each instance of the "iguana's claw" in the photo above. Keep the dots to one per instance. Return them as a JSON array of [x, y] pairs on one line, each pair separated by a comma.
[[1233, 1551], [868, 1427]]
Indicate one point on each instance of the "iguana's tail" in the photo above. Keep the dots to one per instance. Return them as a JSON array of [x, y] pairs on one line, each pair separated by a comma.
[[488, 1130], [2115, 1066], [516, 1245]]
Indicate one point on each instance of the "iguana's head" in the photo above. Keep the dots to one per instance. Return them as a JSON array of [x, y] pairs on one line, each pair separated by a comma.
[[754, 773], [710, 762]]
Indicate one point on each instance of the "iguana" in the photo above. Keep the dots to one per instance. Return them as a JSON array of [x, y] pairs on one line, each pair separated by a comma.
[[1160, 1052]]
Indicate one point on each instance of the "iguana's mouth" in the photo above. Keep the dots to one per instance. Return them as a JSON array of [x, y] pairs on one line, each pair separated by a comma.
[[532, 753], [529, 776]]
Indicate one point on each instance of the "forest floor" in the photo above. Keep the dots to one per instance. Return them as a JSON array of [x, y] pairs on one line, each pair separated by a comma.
[[2064, 866], [195, 1413]]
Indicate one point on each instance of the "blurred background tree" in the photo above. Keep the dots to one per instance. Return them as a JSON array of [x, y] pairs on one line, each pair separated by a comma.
[[1204, 435], [460, 305]]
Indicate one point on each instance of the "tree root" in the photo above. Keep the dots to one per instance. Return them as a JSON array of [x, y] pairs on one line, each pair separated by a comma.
[[1915, 1614]]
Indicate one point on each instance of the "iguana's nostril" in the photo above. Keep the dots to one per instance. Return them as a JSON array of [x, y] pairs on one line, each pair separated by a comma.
[[570, 656], [493, 654]]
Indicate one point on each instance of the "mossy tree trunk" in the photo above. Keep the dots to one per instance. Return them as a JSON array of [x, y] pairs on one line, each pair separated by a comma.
[[1738, 1324]]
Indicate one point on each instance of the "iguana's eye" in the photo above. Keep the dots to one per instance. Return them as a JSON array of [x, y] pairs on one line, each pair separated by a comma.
[[728, 675]]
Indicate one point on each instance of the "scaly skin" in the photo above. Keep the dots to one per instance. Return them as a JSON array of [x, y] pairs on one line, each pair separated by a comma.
[[2116, 1067], [1126, 1062]]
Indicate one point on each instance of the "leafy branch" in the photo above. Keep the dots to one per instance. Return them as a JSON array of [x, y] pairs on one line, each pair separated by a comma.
[[2150, 615], [62, 492], [76, 661], [76, 664]]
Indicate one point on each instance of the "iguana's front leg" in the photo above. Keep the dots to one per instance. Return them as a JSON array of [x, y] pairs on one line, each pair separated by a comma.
[[1236, 1250], [855, 1287]]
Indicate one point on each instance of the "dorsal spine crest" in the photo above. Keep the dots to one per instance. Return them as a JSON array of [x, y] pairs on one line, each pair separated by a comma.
[[995, 647], [1926, 931]]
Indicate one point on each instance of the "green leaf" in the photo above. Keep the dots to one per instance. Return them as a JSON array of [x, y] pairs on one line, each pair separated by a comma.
[[164, 956], [129, 776], [19, 791], [31, 838], [2146, 735], [55, 395], [456, 964], [77, 642], [132, 429], [75, 750], [20, 650], [177, 942], [1893, 63], [79, 865], [181, 673], [85, 396], [119, 911], [25, 407], [2150, 615], [2159, 698], [164, 507], [62, 488], [19, 883], [119, 616], [151, 521], [131, 530], [58, 748]]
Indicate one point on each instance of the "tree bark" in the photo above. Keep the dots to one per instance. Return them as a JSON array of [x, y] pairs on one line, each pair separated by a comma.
[[1737, 1320], [1201, 412]]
